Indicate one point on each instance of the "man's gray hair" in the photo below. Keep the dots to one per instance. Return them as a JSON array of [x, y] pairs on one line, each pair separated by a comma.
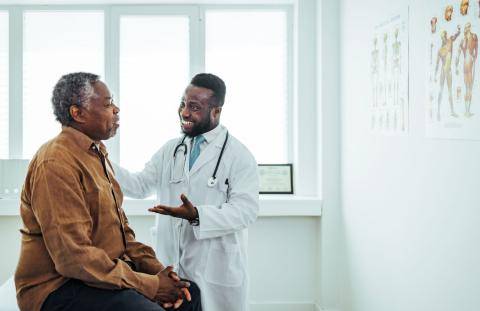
[[72, 89]]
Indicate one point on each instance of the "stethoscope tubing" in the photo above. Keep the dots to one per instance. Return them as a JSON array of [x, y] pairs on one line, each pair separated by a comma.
[[212, 180]]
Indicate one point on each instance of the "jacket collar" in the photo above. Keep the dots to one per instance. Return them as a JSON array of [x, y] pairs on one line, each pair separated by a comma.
[[82, 140]]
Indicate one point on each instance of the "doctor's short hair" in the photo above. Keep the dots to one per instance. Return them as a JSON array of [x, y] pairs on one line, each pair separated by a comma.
[[72, 89], [214, 83]]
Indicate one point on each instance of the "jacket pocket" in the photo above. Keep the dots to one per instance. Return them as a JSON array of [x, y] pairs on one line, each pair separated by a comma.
[[224, 266]]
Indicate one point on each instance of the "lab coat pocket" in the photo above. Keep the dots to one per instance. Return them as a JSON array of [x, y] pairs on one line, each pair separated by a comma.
[[224, 265], [223, 188]]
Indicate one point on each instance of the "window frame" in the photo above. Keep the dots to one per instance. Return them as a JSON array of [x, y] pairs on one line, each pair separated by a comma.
[[113, 81], [288, 9], [47, 8], [16, 37], [298, 139], [8, 76]]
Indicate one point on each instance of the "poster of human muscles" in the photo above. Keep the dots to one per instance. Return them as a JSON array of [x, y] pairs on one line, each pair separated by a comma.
[[453, 82]]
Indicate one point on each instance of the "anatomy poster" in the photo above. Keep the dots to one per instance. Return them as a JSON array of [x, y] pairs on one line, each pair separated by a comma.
[[389, 75], [453, 82]]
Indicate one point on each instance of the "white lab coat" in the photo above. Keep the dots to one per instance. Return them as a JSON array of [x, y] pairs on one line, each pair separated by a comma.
[[213, 254]]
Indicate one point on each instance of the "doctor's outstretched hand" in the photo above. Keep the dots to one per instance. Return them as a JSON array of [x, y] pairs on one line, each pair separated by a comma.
[[186, 210]]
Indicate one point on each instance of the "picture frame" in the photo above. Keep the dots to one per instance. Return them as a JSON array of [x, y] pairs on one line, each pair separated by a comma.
[[276, 178]]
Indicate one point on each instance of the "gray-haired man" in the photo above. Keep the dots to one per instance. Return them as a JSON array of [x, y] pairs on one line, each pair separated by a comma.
[[78, 250]]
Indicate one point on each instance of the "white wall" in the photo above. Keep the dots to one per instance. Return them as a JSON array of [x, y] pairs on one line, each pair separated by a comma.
[[331, 268], [410, 205]]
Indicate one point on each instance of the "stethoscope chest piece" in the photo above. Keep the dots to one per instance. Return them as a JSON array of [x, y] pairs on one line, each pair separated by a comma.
[[212, 181]]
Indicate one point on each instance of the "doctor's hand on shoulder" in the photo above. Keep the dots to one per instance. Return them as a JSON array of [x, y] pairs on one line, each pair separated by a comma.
[[186, 210]]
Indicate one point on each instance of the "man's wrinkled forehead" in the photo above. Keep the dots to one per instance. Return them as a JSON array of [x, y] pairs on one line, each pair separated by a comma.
[[102, 88], [100, 92]]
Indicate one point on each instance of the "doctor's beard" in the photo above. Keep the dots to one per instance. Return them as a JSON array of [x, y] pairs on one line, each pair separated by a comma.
[[198, 128]]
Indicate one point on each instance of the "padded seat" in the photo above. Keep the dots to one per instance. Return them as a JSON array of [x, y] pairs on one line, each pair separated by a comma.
[[8, 300]]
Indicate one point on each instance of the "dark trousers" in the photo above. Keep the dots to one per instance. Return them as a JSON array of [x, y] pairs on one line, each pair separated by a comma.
[[76, 296]]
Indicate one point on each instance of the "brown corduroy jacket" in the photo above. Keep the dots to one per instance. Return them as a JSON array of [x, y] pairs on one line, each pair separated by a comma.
[[74, 226]]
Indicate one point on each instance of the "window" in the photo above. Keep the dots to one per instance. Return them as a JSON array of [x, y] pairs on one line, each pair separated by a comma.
[[147, 55], [248, 49], [4, 84], [55, 43], [154, 67]]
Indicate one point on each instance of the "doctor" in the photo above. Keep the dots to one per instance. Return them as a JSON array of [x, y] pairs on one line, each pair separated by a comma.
[[207, 184]]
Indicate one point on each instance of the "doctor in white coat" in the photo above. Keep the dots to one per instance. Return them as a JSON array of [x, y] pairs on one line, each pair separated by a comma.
[[207, 186]]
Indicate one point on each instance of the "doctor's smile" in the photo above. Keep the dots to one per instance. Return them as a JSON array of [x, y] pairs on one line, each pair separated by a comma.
[[187, 125]]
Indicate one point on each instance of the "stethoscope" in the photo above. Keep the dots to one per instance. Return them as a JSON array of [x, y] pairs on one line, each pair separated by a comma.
[[212, 181]]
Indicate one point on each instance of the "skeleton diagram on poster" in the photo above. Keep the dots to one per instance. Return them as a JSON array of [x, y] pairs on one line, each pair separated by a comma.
[[389, 75], [453, 106]]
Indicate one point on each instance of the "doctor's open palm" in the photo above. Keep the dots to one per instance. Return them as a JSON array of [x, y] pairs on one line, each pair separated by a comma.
[[186, 210]]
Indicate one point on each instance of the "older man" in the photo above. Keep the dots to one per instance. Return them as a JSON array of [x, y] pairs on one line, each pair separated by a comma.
[[78, 251]]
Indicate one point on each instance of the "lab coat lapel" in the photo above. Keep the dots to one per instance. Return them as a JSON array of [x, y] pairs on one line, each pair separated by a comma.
[[210, 153]]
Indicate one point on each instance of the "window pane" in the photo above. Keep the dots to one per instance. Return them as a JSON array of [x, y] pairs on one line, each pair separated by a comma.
[[4, 85], [154, 71], [248, 50], [55, 43]]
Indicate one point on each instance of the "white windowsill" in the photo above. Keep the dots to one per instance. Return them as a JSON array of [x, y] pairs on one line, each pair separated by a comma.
[[270, 206]]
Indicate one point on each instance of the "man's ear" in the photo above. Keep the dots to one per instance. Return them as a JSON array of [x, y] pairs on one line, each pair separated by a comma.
[[216, 112], [76, 114]]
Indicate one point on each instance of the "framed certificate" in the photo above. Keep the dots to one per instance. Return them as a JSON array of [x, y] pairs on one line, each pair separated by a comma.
[[275, 178]]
